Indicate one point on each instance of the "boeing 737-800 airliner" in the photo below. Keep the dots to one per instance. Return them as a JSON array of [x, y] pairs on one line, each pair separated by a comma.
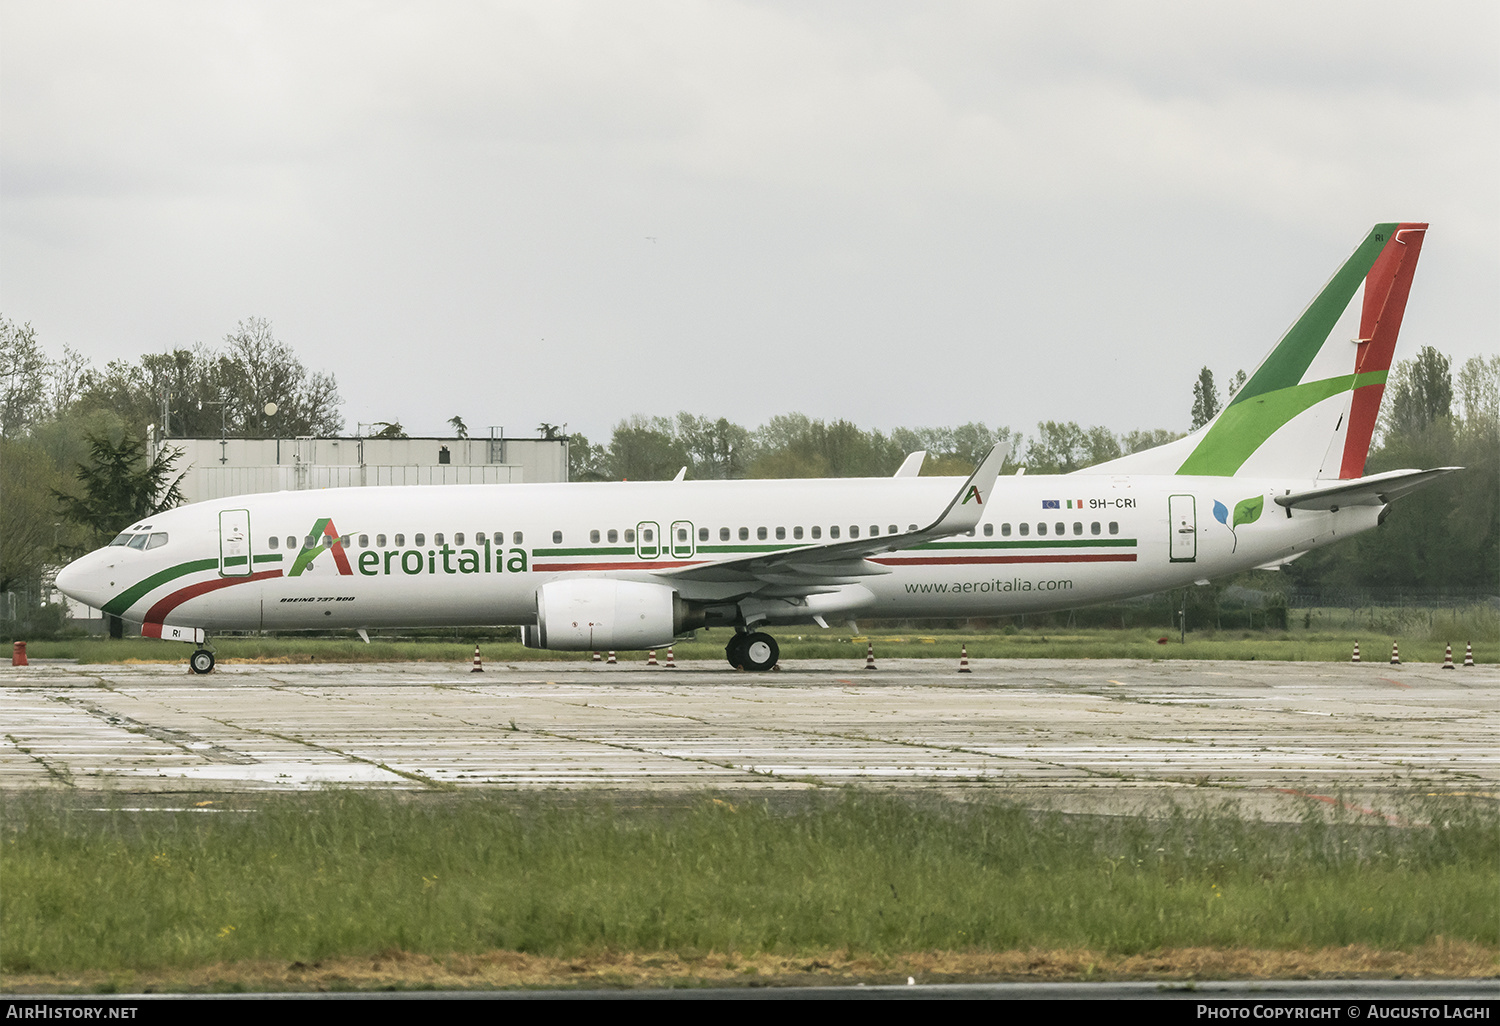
[[623, 565]]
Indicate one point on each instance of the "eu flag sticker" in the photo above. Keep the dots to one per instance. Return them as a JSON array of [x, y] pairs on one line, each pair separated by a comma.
[[1050, 504]]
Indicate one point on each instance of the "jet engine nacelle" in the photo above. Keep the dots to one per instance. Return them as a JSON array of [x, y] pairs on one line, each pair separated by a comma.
[[592, 615]]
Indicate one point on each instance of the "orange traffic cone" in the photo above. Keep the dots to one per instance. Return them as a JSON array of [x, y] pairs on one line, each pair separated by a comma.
[[963, 660], [18, 654], [1469, 655], [477, 668], [611, 660], [1395, 655], [651, 658], [1355, 659], [597, 657], [870, 656], [670, 664], [1448, 658]]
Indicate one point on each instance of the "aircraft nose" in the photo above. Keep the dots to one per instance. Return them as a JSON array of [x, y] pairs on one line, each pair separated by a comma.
[[79, 580]]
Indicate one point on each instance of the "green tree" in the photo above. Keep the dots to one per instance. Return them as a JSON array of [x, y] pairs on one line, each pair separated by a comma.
[[23, 368], [1205, 399], [28, 514], [1420, 393], [119, 485], [643, 449]]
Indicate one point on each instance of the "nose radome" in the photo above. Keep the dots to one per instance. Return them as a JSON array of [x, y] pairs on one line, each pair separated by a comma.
[[73, 580]]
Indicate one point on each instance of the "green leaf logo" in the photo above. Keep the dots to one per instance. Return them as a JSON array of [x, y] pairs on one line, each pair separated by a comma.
[[1247, 511]]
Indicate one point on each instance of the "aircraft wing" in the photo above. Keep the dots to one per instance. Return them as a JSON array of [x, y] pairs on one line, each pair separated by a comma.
[[1376, 490], [809, 567]]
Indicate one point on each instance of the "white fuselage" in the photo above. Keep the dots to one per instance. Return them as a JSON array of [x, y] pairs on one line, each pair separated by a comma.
[[477, 555]]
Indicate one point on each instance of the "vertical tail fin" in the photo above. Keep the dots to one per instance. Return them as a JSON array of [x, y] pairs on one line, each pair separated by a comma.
[[1309, 409]]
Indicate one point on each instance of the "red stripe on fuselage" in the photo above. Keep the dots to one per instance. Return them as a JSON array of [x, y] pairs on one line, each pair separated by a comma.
[[158, 613]]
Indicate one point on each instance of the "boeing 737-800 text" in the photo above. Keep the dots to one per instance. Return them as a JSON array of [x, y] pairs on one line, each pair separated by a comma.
[[1279, 471]]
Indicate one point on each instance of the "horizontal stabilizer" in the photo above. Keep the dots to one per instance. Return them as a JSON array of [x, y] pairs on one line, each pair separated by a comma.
[[1376, 490]]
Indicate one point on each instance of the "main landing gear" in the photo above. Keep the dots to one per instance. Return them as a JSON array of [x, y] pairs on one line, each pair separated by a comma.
[[201, 661], [752, 651]]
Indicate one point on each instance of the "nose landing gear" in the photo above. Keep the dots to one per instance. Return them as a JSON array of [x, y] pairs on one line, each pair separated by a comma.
[[754, 651]]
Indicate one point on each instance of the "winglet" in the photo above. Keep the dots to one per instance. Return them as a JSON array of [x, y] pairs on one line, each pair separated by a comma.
[[912, 465], [967, 507]]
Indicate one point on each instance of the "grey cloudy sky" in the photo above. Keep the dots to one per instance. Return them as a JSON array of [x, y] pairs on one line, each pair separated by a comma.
[[903, 214]]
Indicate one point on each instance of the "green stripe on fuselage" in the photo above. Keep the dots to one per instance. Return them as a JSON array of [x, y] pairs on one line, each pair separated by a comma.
[[132, 594]]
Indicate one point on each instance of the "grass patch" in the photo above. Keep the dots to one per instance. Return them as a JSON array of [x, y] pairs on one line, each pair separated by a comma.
[[347, 874], [1296, 645]]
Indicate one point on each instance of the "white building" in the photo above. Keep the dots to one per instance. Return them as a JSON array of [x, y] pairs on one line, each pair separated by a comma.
[[220, 467]]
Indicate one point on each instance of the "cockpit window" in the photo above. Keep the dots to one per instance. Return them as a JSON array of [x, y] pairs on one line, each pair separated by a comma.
[[121, 538], [157, 540], [139, 541]]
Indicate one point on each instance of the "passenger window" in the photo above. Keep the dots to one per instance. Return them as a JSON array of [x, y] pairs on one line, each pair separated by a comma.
[[989, 530], [833, 532], [1025, 529], [613, 536], [760, 533], [703, 534], [744, 534], [380, 540], [1114, 528], [420, 539], [157, 541], [1094, 527], [682, 534], [594, 537], [275, 541], [1077, 527], [458, 539], [630, 535], [329, 541], [911, 527], [1061, 528], [648, 535], [310, 542], [400, 539], [854, 530], [797, 533], [874, 530], [364, 541], [817, 532], [723, 534], [499, 537], [892, 529], [345, 541], [556, 537], [781, 534], [1041, 528], [517, 538], [437, 539]]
